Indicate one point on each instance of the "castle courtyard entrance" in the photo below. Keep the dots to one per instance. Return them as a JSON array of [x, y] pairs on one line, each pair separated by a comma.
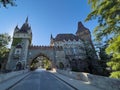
[[41, 61]]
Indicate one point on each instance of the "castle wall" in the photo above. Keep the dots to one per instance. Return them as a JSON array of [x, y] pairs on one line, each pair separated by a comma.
[[11, 63]]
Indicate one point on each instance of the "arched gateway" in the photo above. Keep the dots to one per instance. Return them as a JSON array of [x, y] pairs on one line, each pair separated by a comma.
[[63, 49], [54, 54]]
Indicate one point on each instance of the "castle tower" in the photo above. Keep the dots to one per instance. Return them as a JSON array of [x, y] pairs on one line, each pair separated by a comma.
[[22, 38], [83, 32]]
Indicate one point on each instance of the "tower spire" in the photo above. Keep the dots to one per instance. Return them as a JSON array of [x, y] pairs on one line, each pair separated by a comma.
[[26, 20], [51, 36], [16, 26]]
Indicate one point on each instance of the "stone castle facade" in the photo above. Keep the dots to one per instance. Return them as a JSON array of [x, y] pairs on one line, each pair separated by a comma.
[[76, 47], [70, 50]]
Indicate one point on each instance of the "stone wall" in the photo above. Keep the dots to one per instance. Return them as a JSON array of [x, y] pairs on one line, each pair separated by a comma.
[[104, 83]]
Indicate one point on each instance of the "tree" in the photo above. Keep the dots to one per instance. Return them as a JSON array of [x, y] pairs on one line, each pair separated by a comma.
[[107, 12], [4, 41], [6, 2], [47, 63], [114, 49], [103, 59]]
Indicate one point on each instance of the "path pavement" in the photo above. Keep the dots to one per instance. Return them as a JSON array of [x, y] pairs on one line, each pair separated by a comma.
[[79, 85], [8, 83], [76, 84]]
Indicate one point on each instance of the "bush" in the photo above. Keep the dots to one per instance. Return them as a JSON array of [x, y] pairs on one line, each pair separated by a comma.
[[115, 75]]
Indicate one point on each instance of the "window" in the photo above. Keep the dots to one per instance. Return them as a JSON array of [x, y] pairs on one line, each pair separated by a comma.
[[18, 51]]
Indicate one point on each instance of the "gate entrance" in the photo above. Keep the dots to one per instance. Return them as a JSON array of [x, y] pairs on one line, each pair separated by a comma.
[[41, 61]]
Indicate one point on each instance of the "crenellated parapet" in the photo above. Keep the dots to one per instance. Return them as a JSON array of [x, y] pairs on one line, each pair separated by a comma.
[[46, 47], [40, 47]]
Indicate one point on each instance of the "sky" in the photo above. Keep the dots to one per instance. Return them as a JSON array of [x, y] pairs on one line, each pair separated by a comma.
[[46, 17]]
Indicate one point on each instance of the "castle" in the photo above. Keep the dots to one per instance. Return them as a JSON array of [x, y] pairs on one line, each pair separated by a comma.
[[71, 50]]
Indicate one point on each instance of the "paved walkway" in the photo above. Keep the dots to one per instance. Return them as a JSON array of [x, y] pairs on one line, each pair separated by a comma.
[[79, 85], [8, 83]]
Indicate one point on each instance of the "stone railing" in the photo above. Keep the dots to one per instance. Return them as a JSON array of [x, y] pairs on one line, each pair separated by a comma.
[[9, 75], [102, 82]]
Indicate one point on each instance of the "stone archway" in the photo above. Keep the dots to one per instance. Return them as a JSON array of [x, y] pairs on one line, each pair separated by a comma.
[[41, 61], [19, 66]]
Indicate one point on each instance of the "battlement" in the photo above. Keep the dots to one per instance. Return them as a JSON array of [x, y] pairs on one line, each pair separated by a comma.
[[46, 47]]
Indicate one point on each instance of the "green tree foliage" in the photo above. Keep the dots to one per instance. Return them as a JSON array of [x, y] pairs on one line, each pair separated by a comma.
[[102, 54], [107, 12], [103, 59], [33, 64], [4, 41], [114, 49], [47, 63], [6, 2]]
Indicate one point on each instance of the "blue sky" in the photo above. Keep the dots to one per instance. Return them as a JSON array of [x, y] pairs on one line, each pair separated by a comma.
[[46, 17]]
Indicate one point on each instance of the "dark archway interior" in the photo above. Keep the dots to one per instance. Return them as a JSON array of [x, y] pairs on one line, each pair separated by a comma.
[[19, 66], [41, 61]]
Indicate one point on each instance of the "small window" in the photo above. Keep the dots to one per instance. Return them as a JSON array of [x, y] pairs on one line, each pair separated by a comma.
[[18, 51]]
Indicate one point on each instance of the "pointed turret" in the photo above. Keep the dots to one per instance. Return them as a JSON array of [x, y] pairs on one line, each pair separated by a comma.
[[51, 40], [51, 37], [83, 32], [25, 27], [26, 21], [81, 28], [17, 28]]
